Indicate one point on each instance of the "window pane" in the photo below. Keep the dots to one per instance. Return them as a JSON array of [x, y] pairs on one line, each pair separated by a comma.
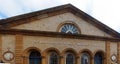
[[34, 57], [69, 28], [85, 58], [53, 58], [98, 58], [70, 58]]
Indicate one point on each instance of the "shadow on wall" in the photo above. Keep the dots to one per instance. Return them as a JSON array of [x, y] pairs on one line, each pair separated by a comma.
[[1, 62]]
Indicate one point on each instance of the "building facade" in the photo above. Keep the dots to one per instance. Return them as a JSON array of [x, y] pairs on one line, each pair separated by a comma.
[[59, 35]]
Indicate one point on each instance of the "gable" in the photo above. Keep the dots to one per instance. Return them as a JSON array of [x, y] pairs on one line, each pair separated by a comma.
[[53, 23], [51, 19]]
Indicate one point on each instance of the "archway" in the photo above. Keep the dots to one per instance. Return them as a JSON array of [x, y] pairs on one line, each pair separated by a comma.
[[86, 56], [98, 58], [35, 57]]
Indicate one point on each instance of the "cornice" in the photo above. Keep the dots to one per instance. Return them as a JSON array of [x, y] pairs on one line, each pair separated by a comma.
[[56, 35]]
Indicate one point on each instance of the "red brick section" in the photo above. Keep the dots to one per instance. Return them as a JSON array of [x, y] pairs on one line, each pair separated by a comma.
[[0, 47], [18, 49], [118, 52], [107, 53]]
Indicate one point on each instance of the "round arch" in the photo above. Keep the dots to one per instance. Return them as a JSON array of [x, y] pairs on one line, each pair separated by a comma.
[[101, 52], [69, 50], [87, 51], [99, 55], [86, 56], [47, 53], [69, 55], [27, 52], [68, 22]]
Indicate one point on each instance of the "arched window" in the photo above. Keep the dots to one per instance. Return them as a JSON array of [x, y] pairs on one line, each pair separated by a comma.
[[70, 58], [70, 29], [85, 58], [53, 58], [35, 58], [98, 58]]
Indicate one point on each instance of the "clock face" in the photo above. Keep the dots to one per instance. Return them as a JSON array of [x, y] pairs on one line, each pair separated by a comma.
[[113, 58], [8, 56]]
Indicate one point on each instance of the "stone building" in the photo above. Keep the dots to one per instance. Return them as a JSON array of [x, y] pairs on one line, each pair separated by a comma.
[[58, 35]]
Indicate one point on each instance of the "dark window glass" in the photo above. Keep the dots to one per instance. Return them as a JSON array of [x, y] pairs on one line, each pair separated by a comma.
[[35, 57], [70, 29], [53, 59], [98, 59], [70, 58], [85, 58]]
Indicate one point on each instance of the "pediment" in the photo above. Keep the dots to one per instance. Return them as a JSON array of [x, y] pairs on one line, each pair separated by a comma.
[[51, 20]]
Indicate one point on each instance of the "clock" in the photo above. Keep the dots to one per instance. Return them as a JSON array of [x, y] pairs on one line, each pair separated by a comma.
[[8, 56], [114, 58]]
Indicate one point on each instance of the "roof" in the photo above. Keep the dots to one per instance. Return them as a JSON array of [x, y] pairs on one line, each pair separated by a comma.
[[64, 8]]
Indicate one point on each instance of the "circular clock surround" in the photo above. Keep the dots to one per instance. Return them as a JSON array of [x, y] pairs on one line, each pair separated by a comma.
[[69, 28], [8, 56], [114, 58]]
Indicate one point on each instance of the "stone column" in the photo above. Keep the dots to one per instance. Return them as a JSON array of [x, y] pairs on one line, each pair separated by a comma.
[[61, 60], [18, 49], [44, 60], [118, 52], [25, 59], [77, 60], [107, 61], [92, 60], [0, 47]]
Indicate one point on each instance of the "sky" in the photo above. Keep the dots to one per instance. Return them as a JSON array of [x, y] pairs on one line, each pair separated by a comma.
[[106, 11]]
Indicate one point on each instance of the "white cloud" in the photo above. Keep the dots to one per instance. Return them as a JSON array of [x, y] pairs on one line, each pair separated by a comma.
[[17, 7], [9, 8], [85, 5], [34, 5], [107, 11]]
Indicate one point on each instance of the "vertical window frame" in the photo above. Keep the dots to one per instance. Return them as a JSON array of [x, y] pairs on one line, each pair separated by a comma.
[[49, 58], [88, 56], [102, 57], [40, 57], [66, 58]]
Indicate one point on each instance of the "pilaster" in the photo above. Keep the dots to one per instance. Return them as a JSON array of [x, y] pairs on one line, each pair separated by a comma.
[[44, 60], [62, 60], [118, 52], [78, 60], [0, 47], [92, 60], [18, 49], [107, 61]]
